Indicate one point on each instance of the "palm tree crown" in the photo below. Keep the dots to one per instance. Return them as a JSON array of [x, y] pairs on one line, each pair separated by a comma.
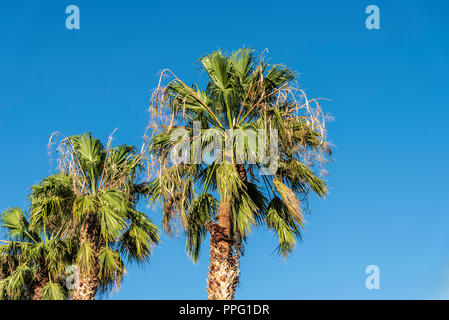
[[104, 183], [84, 217], [244, 103], [34, 258]]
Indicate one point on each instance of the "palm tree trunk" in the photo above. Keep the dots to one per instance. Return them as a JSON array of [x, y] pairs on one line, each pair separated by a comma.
[[37, 286], [87, 289], [223, 275], [223, 266], [88, 280]]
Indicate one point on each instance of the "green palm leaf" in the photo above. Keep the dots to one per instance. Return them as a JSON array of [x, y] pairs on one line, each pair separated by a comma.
[[53, 291]]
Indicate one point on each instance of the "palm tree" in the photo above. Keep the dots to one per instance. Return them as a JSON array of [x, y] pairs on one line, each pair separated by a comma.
[[32, 263], [231, 193], [106, 225]]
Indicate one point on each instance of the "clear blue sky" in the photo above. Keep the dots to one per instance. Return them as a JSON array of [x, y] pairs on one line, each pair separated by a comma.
[[388, 204]]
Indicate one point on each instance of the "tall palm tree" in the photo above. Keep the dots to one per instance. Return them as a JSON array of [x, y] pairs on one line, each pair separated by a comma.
[[232, 190], [107, 225], [35, 257], [32, 263]]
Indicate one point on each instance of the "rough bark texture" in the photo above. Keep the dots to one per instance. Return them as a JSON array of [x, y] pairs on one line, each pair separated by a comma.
[[87, 289], [88, 281], [223, 275], [36, 287], [223, 265]]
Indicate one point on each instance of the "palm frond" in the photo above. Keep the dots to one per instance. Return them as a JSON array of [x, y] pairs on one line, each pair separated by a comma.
[[16, 222], [287, 227], [141, 236], [53, 291], [202, 209]]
